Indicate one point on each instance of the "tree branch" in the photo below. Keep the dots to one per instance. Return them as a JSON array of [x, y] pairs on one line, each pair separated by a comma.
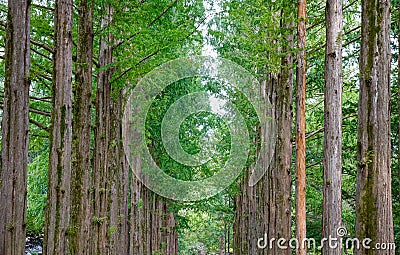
[[147, 26], [39, 125]]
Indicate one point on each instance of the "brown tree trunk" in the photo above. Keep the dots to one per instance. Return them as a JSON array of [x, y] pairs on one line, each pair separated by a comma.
[[101, 184], [80, 184], [332, 213], [59, 176], [374, 197], [152, 225], [14, 152], [398, 96], [222, 245], [118, 168], [111, 168], [265, 209], [301, 129]]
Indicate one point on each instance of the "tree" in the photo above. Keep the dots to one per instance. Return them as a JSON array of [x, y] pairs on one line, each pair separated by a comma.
[[374, 195], [59, 175], [102, 140], [301, 129], [332, 218], [14, 152], [81, 165], [263, 210]]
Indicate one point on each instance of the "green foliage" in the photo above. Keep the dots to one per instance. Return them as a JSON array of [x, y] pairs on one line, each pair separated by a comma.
[[37, 187]]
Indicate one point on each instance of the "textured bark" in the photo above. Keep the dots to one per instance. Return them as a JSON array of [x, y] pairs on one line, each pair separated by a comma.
[[266, 207], [101, 184], [118, 170], [111, 169], [398, 96], [152, 225], [222, 245], [301, 129], [332, 213], [59, 176], [14, 153], [80, 185], [374, 218]]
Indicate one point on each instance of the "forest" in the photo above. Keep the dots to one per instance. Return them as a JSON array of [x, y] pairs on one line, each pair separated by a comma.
[[196, 127]]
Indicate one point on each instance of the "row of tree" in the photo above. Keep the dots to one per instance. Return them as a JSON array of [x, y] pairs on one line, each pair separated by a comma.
[[95, 204]]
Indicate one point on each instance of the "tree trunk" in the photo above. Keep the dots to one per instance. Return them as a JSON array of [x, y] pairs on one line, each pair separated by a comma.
[[118, 169], [14, 159], [374, 218], [59, 177], [264, 210], [301, 129], [101, 184], [152, 224], [80, 186], [398, 96], [332, 213]]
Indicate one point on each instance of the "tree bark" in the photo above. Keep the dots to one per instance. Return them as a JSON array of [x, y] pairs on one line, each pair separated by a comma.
[[264, 210], [152, 224], [301, 129], [374, 217], [56, 238], [80, 186], [332, 209], [14, 152], [398, 96], [118, 169], [101, 184]]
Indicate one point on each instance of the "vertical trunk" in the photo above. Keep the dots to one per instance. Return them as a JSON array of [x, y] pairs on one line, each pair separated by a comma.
[[374, 198], [152, 225], [14, 159], [398, 95], [332, 215], [118, 170], [266, 207], [80, 184], [59, 176], [123, 191], [222, 245], [111, 168], [301, 129], [101, 184]]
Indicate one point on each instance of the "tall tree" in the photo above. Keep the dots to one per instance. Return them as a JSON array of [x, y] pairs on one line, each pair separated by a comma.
[[14, 152], [301, 128], [374, 196], [102, 140], [59, 175], [82, 90], [332, 214], [265, 207], [398, 92]]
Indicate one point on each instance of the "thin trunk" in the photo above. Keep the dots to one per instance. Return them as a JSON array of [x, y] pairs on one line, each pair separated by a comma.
[[374, 217], [332, 213], [301, 129], [80, 185], [14, 159], [59, 175], [398, 95]]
